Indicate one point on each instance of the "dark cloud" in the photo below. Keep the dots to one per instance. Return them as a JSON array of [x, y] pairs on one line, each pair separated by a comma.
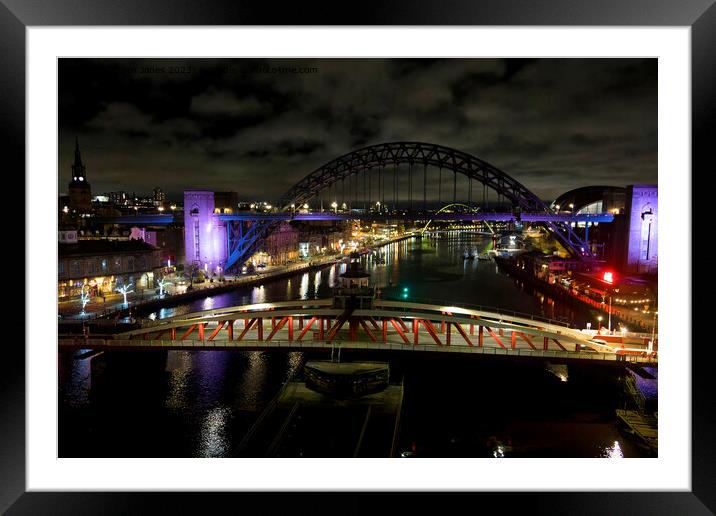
[[553, 124]]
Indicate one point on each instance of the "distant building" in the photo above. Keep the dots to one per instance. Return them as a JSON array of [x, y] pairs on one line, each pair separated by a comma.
[[80, 192], [640, 254], [118, 198], [100, 266], [282, 244], [158, 196]]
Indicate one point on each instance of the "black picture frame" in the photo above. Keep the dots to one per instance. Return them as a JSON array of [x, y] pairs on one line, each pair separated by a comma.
[[17, 15]]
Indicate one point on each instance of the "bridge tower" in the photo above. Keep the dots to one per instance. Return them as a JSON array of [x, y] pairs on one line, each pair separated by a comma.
[[205, 240]]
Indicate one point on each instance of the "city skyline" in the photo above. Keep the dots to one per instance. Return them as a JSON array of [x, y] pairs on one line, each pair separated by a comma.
[[147, 123]]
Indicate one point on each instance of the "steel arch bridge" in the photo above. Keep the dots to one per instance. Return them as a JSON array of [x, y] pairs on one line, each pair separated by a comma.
[[378, 156]]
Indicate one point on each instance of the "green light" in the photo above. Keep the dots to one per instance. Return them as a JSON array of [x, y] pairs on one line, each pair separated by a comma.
[[405, 289]]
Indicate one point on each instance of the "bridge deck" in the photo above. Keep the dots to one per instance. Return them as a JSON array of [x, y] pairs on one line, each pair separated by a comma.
[[393, 325]]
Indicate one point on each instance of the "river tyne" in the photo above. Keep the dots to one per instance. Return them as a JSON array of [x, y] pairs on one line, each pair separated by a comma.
[[203, 403]]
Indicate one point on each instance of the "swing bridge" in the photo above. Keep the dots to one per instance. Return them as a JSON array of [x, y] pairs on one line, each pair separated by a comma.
[[382, 325]]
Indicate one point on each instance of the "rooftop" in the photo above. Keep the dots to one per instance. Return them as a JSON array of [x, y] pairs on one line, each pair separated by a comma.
[[96, 247]]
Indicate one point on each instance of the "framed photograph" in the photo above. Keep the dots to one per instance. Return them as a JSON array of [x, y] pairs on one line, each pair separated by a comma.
[[286, 251]]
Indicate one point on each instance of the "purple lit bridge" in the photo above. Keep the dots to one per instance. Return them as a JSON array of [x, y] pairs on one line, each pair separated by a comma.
[[306, 325], [161, 219], [388, 181]]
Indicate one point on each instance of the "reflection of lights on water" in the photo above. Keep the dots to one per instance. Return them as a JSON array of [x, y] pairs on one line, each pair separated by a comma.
[[332, 277], [179, 366], [295, 359], [253, 381], [81, 381], [153, 316], [317, 281], [212, 437], [499, 452], [303, 290], [258, 295], [613, 452], [166, 312], [563, 377], [208, 303]]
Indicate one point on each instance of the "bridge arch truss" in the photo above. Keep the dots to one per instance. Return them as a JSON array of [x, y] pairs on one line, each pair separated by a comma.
[[382, 155]]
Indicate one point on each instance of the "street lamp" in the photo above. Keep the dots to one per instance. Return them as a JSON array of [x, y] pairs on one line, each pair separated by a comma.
[[571, 207], [610, 314], [334, 205], [600, 323]]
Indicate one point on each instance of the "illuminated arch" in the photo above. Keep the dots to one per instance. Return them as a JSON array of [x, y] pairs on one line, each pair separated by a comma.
[[396, 153], [414, 153], [445, 208]]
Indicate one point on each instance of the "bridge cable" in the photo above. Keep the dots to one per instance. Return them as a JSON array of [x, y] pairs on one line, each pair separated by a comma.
[[395, 186], [364, 190], [440, 186], [425, 185], [410, 184]]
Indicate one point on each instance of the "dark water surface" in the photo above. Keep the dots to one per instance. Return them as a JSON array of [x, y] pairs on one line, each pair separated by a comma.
[[202, 403]]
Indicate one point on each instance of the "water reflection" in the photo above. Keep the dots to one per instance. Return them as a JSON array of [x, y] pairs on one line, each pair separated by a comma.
[[253, 380], [613, 452], [258, 295], [303, 290], [317, 282], [213, 440], [80, 381], [179, 368]]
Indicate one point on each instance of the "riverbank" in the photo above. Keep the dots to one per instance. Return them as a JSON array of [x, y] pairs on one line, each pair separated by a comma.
[[558, 293], [201, 291]]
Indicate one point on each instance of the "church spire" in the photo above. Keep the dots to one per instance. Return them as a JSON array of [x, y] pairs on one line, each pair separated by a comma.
[[78, 168]]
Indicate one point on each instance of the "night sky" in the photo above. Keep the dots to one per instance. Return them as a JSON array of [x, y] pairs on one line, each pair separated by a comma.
[[258, 126]]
